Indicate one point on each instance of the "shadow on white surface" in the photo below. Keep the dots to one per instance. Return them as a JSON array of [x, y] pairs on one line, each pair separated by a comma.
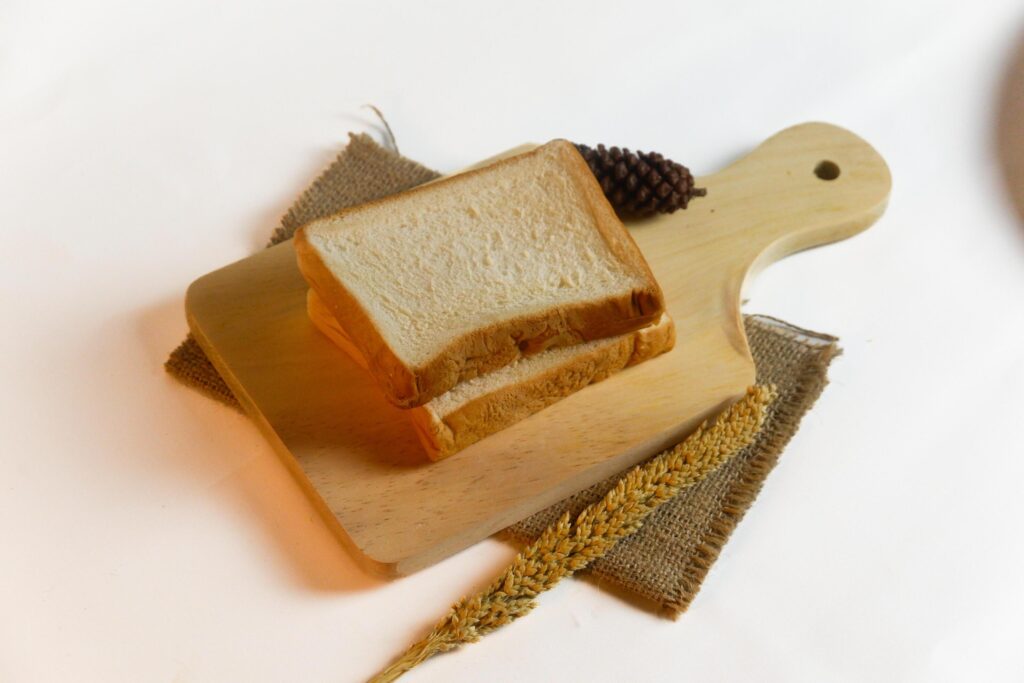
[[265, 493], [225, 459], [1009, 140]]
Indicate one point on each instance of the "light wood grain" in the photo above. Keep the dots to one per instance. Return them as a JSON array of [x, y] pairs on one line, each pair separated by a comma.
[[359, 458]]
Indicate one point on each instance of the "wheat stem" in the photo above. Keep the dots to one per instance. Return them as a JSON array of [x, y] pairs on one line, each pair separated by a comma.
[[566, 546]]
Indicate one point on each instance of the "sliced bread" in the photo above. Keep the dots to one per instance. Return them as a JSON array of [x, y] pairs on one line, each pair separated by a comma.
[[457, 278], [487, 404]]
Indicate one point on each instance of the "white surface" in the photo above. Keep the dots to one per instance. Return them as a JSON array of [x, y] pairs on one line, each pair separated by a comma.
[[150, 534]]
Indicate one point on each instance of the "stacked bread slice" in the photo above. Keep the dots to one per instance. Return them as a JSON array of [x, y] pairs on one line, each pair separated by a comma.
[[478, 300]]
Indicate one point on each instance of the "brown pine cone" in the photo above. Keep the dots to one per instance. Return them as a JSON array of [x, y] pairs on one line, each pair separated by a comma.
[[642, 183]]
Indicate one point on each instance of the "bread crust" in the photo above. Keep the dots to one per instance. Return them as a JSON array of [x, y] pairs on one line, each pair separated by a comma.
[[487, 348], [443, 435]]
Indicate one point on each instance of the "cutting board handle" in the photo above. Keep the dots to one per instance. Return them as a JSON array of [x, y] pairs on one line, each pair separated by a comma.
[[806, 186]]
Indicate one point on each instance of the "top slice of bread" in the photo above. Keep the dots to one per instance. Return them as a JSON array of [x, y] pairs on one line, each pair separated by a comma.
[[453, 279]]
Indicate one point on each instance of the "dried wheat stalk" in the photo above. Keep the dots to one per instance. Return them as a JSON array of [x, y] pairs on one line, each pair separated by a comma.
[[566, 547]]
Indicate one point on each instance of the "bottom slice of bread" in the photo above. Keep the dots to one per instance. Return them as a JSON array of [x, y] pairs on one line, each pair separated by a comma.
[[487, 404]]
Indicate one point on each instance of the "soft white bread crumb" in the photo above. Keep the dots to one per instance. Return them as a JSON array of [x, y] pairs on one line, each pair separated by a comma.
[[459, 277]]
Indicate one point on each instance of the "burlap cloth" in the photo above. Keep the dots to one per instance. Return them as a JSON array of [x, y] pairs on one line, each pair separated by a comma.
[[665, 562]]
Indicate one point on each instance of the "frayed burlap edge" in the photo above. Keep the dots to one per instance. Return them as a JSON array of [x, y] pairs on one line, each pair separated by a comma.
[[789, 410]]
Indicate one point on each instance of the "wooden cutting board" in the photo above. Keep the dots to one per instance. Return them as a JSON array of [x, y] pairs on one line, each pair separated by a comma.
[[358, 457]]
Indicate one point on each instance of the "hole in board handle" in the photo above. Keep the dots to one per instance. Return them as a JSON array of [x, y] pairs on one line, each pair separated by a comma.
[[827, 170]]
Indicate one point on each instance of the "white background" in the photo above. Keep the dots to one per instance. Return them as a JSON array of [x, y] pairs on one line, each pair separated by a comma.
[[150, 534]]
